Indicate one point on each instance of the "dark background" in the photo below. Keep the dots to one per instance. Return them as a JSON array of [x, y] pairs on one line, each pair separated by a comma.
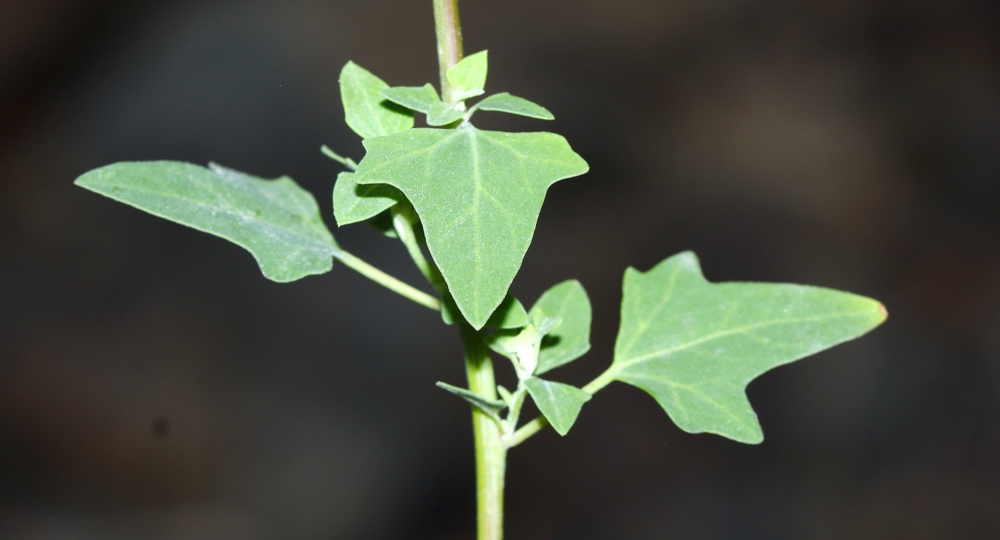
[[154, 386]]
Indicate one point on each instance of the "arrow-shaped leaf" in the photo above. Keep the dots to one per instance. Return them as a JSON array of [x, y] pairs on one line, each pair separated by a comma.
[[570, 339], [275, 220], [695, 345], [478, 195]]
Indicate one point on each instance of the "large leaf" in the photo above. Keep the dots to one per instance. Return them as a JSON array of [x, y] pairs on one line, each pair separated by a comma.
[[353, 203], [478, 195], [694, 345], [570, 338], [559, 403], [276, 220], [365, 110]]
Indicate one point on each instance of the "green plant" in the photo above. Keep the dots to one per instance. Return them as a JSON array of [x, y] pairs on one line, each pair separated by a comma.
[[471, 198]]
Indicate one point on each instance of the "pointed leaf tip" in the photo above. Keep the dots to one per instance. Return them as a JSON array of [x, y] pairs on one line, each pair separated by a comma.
[[365, 110], [695, 346]]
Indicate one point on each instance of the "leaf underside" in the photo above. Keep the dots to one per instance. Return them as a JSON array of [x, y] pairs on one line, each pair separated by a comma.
[[478, 194], [504, 102], [570, 339], [694, 345], [277, 221], [559, 403]]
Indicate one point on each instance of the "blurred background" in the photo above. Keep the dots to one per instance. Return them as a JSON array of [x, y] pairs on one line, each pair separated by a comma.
[[153, 385]]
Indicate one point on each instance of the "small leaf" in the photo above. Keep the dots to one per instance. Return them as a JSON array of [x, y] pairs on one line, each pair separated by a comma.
[[522, 345], [418, 98], [365, 110], [491, 407], [570, 339], [468, 77], [505, 394], [507, 103], [441, 114], [353, 203], [275, 220], [559, 403], [478, 195], [509, 314], [694, 345]]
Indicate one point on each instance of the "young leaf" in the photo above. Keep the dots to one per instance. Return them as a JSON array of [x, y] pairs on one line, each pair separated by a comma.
[[504, 102], [478, 195], [491, 407], [353, 203], [559, 403], [694, 345], [418, 98], [570, 339], [276, 220], [509, 314], [365, 110], [468, 77], [441, 114]]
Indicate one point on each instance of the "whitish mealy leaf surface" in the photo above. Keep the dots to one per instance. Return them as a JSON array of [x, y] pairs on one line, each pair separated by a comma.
[[694, 345], [570, 338], [365, 110], [509, 314], [441, 114], [418, 98], [276, 220], [478, 195], [504, 102], [353, 202], [468, 77], [559, 403], [491, 407]]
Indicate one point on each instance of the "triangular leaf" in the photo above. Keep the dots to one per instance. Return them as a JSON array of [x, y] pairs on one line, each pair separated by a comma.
[[695, 345], [559, 403], [353, 203], [491, 407], [365, 110], [468, 77], [478, 195], [570, 339], [275, 220], [504, 102], [418, 98], [441, 114]]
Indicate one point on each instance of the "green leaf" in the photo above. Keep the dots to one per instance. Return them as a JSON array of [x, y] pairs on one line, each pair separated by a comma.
[[491, 407], [418, 98], [509, 314], [559, 403], [504, 102], [694, 345], [276, 220], [353, 203], [522, 345], [468, 77], [441, 114], [478, 195], [365, 110], [570, 339]]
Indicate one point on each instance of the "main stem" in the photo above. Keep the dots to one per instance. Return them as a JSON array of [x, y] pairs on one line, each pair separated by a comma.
[[491, 450]]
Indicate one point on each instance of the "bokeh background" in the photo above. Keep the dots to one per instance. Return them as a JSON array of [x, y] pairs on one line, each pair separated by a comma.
[[153, 385]]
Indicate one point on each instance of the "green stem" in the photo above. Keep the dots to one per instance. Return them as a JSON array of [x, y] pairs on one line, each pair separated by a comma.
[[405, 220], [387, 281], [449, 42], [491, 452]]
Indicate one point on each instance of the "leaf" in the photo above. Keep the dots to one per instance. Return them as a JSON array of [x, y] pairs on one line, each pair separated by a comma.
[[418, 98], [468, 77], [441, 114], [509, 314], [353, 203], [491, 407], [694, 345], [276, 220], [522, 345], [365, 110], [570, 339], [559, 403], [504, 102], [478, 195]]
